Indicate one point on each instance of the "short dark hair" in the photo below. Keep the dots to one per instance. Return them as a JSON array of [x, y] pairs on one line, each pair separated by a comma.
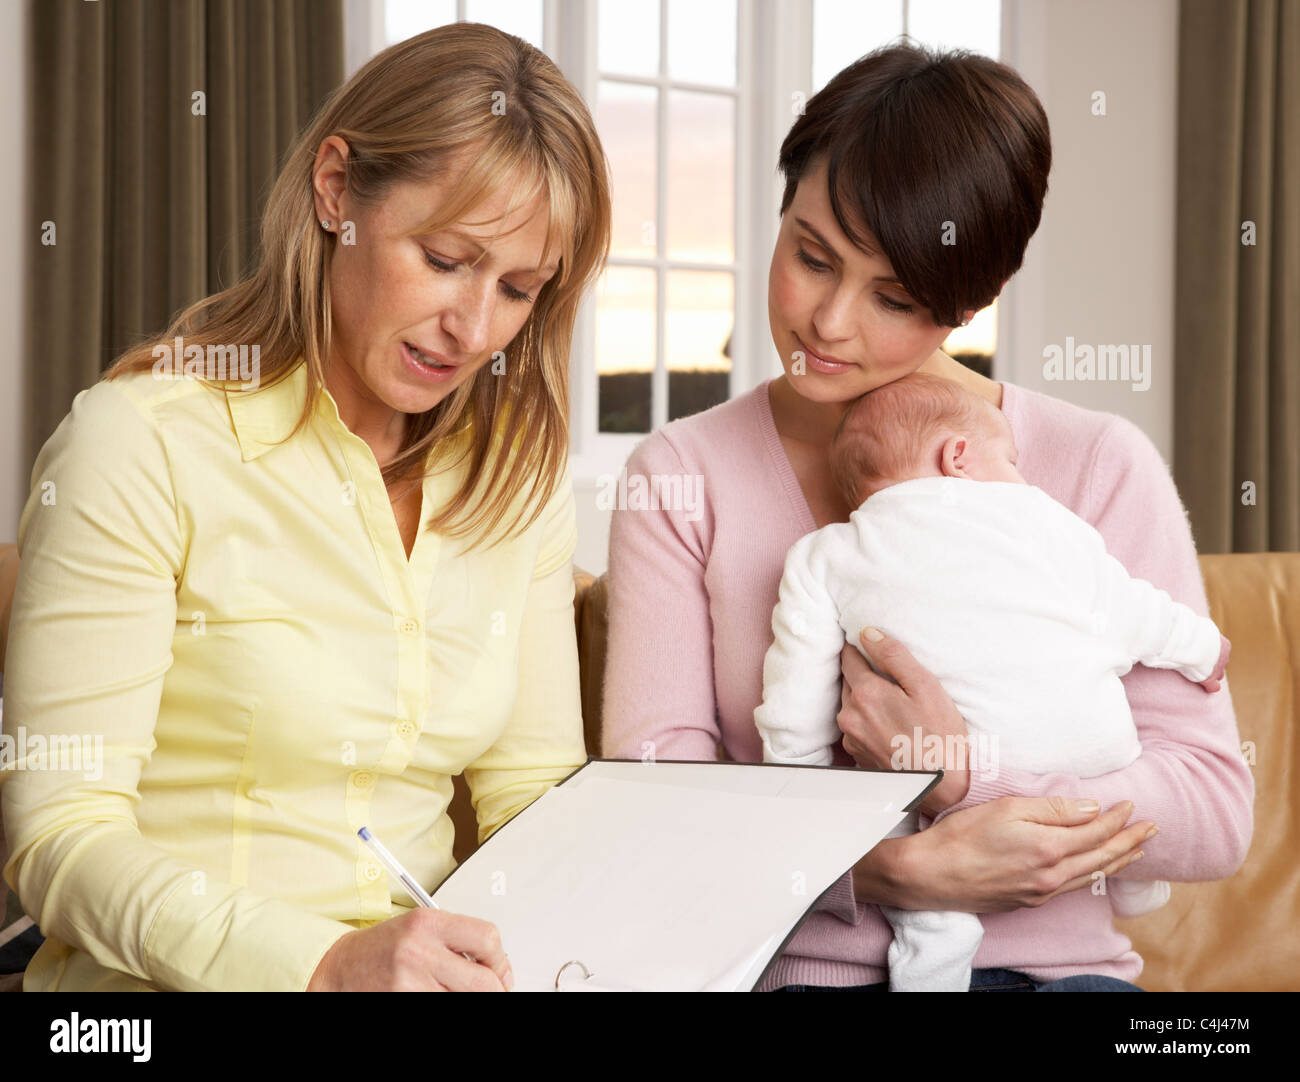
[[915, 138]]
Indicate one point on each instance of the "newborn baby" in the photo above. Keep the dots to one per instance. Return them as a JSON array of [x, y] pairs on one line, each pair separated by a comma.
[[1006, 596]]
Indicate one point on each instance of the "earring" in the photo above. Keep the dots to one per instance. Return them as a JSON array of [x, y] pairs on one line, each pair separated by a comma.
[[964, 323], [324, 224]]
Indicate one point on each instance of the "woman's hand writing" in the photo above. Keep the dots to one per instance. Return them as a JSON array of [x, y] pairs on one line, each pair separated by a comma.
[[418, 951]]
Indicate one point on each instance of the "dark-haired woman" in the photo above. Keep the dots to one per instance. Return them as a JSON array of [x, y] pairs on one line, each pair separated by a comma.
[[914, 182]]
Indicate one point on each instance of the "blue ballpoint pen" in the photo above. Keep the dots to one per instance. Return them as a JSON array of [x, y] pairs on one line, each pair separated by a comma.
[[390, 862], [394, 865]]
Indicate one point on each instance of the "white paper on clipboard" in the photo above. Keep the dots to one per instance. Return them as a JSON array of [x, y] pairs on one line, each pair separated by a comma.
[[672, 876]]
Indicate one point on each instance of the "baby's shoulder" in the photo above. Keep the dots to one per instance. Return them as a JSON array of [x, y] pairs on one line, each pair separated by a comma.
[[825, 549]]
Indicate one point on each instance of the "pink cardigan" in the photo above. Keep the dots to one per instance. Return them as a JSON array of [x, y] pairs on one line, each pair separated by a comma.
[[690, 607]]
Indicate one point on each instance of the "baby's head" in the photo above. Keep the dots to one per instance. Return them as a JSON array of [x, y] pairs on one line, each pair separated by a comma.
[[920, 426]]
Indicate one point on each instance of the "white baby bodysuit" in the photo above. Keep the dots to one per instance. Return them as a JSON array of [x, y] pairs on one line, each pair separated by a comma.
[[1014, 604]]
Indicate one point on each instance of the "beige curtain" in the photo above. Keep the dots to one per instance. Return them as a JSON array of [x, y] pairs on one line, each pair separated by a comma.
[[1237, 306], [157, 127]]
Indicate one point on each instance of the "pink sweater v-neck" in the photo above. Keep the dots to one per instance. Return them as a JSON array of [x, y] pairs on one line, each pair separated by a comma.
[[691, 594]]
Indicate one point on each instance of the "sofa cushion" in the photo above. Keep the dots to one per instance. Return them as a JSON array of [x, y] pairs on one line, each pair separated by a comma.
[[19, 936], [1238, 934]]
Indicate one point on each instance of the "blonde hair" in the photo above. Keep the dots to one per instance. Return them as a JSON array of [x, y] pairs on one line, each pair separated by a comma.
[[884, 434], [404, 115]]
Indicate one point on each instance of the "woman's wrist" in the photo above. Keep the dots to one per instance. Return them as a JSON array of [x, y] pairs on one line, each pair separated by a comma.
[[950, 791], [879, 877], [324, 977]]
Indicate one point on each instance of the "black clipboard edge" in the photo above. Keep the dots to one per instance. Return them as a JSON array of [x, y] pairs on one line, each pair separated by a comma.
[[938, 774]]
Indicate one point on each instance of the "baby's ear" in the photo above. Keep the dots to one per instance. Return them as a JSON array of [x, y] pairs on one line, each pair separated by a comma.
[[954, 456]]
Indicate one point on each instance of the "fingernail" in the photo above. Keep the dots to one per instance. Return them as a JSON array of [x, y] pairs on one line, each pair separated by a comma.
[[1086, 807], [1139, 855], [509, 982], [1153, 832], [871, 634]]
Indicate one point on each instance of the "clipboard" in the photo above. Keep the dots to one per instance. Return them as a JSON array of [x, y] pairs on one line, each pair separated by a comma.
[[673, 874]]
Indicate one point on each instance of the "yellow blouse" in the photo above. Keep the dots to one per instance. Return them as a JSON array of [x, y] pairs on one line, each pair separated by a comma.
[[231, 636]]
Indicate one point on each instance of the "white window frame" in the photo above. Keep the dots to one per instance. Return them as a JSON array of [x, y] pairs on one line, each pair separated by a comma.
[[773, 60]]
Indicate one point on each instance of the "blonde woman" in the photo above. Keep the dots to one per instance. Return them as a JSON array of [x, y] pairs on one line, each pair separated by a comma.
[[277, 611]]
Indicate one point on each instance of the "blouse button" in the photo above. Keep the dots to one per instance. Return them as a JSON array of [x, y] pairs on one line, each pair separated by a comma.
[[373, 872], [363, 779], [406, 729], [410, 627]]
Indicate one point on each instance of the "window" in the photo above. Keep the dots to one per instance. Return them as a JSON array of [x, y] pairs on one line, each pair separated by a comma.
[[406, 18], [666, 111]]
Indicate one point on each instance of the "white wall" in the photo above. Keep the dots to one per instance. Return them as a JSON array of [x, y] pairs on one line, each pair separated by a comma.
[[16, 228], [1100, 269], [592, 553]]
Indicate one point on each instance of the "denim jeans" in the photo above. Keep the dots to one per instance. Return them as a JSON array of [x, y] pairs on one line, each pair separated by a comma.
[[997, 980]]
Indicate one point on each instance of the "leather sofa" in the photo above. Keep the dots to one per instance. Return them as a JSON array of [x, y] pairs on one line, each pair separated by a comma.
[[1238, 934]]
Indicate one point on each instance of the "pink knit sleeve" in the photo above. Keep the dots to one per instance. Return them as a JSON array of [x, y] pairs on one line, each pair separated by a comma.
[[659, 696], [1191, 779]]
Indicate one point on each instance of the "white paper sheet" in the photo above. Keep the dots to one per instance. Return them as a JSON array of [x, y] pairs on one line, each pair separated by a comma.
[[671, 876]]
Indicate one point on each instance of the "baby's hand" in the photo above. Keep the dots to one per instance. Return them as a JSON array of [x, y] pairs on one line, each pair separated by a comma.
[[1215, 680]]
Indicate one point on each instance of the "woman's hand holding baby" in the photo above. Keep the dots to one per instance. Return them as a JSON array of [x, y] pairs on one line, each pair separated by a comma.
[[1001, 855], [886, 721], [1007, 854]]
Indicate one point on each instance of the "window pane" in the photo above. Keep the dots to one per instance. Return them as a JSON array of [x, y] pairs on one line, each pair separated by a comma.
[[625, 118], [697, 346], [627, 34], [957, 24], [523, 18], [844, 30], [625, 348], [405, 18], [701, 176], [702, 41]]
